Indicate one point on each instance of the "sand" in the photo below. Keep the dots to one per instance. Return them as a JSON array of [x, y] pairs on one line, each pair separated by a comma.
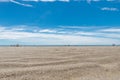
[[60, 63]]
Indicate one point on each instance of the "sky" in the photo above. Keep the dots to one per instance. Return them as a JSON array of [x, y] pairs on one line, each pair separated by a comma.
[[60, 22]]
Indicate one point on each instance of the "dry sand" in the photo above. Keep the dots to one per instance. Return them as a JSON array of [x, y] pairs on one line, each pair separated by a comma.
[[60, 63]]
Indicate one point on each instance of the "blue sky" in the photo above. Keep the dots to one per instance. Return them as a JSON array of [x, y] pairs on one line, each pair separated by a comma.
[[60, 22]]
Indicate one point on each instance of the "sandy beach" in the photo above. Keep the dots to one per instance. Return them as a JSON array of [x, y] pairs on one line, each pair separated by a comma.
[[60, 63]]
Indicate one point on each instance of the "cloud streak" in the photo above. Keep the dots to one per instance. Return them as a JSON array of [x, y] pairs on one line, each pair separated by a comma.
[[109, 9], [27, 5], [17, 2]]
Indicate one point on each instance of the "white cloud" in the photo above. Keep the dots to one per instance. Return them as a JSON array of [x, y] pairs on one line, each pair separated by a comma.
[[66, 39], [111, 30], [109, 9], [113, 33], [47, 31], [88, 33], [77, 38]]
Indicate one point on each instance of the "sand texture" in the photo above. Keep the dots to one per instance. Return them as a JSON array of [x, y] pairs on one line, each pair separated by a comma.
[[60, 63]]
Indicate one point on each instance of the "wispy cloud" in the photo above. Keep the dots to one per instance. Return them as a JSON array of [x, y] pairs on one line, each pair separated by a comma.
[[22, 2], [16, 2], [109, 9], [111, 30]]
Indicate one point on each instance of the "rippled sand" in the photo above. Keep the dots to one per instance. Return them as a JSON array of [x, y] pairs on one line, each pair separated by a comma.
[[60, 63]]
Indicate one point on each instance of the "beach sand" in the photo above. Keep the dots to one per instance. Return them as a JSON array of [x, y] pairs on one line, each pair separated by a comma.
[[60, 63]]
